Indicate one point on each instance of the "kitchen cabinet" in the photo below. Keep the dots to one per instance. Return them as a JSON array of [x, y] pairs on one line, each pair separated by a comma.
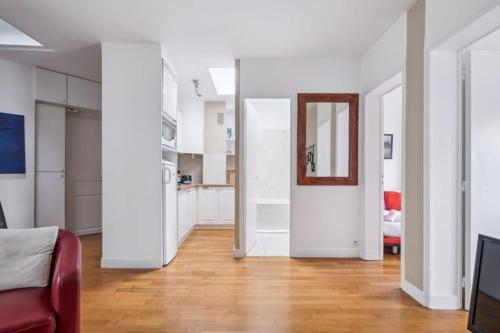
[[187, 209], [190, 126], [226, 205], [84, 93], [51, 86], [169, 93], [214, 168], [208, 205], [216, 205], [58, 88], [193, 208]]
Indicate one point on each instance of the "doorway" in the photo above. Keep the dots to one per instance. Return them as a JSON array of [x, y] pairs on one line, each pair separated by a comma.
[[68, 169], [267, 176], [386, 98], [83, 171], [392, 113]]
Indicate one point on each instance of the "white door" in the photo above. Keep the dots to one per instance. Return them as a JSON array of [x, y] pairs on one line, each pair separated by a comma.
[[170, 234], [49, 207], [50, 138], [83, 172], [49, 166], [482, 159], [250, 151]]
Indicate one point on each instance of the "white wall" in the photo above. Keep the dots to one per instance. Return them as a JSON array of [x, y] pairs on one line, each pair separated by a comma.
[[393, 122], [17, 96], [380, 65], [446, 17], [325, 220], [484, 147], [131, 155], [386, 57]]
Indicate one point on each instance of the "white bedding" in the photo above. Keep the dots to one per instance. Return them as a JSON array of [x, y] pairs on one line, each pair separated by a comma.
[[392, 229], [392, 223]]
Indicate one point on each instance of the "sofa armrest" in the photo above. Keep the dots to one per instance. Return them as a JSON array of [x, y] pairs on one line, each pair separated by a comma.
[[65, 285]]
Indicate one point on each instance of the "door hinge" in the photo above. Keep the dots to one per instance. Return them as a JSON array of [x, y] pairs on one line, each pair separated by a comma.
[[463, 185], [463, 281]]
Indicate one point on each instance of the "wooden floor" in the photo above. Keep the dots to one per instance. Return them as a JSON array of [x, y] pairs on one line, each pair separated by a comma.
[[205, 290]]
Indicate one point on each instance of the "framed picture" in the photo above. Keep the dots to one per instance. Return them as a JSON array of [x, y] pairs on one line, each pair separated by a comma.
[[12, 150], [388, 139]]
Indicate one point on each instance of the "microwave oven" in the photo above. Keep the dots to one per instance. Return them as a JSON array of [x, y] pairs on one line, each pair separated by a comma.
[[169, 134]]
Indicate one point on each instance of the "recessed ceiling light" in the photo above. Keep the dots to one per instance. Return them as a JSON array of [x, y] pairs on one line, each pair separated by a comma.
[[224, 80], [11, 36]]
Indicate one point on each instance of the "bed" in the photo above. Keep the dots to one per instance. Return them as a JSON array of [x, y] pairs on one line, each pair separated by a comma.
[[392, 220]]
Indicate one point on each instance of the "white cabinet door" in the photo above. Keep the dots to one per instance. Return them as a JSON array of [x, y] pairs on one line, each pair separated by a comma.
[[208, 205], [183, 214], [193, 208], [51, 86], [84, 93], [169, 94], [190, 125], [226, 200], [214, 168]]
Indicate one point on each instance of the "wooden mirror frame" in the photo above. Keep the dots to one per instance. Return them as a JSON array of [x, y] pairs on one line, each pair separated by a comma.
[[302, 100]]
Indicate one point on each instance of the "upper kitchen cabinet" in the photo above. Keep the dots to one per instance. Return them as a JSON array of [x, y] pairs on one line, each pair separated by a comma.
[[84, 93], [51, 86], [169, 93], [190, 126]]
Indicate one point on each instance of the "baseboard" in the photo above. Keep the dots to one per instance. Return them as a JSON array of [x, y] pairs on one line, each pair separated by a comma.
[[238, 253], [373, 256], [91, 231], [184, 237], [214, 226], [445, 302], [413, 292], [131, 263], [325, 253]]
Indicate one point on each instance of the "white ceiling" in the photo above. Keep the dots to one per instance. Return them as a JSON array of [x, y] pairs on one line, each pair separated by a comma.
[[198, 34]]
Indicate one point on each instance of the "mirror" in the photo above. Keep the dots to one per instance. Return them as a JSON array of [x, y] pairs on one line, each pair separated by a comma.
[[327, 139]]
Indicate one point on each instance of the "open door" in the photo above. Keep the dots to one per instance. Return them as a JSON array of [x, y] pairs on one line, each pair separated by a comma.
[[482, 161], [251, 130]]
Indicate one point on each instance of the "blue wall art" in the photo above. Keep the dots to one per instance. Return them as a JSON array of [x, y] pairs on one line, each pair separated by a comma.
[[12, 151]]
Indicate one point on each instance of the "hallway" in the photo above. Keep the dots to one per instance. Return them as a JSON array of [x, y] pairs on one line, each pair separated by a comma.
[[206, 290]]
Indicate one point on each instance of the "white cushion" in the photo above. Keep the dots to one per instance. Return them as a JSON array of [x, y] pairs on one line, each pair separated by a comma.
[[26, 257]]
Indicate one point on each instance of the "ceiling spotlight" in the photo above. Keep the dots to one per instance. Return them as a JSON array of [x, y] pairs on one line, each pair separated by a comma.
[[196, 84]]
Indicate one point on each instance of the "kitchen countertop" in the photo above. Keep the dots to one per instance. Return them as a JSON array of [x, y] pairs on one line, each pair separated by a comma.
[[182, 187]]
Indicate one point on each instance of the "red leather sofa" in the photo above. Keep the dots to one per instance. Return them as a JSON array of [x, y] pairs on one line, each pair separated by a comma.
[[52, 309]]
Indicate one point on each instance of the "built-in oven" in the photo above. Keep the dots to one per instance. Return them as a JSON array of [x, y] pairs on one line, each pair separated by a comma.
[[169, 134]]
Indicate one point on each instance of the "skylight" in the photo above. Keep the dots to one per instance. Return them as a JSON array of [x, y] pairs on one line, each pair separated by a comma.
[[11, 36], [224, 80]]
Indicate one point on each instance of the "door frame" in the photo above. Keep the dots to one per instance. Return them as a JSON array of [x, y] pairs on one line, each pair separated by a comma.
[[78, 113], [443, 273], [240, 190], [372, 232]]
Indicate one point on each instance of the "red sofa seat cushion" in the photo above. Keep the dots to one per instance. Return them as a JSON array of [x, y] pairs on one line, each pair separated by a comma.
[[392, 200], [26, 310], [392, 241]]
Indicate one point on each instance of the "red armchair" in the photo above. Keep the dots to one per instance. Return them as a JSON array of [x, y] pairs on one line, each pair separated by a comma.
[[52, 309]]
